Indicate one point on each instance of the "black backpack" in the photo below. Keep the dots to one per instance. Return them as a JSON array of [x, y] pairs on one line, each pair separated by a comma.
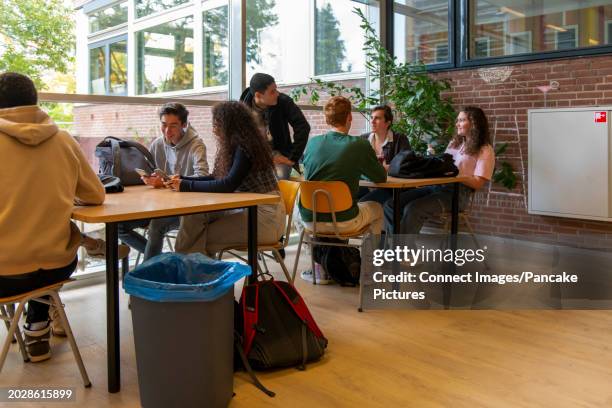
[[119, 158], [407, 164], [274, 329], [342, 264]]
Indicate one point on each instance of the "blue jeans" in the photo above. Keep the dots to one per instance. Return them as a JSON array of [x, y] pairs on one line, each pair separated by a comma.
[[158, 228], [420, 204]]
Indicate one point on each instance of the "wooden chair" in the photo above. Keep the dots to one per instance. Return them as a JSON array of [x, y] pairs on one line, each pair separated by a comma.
[[12, 318], [288, 190], [325, 197]]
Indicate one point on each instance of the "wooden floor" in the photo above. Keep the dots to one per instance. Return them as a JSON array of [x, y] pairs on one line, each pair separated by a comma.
[[384, 358]]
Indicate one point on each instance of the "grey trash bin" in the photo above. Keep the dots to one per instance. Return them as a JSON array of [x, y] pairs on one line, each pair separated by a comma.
[[183, 330]]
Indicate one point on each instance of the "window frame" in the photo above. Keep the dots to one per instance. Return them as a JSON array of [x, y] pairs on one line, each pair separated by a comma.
[[459, 41], [106, 43]]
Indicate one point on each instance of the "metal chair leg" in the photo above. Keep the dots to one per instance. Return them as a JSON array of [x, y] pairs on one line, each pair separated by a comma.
[[297, 255], [75, 350], [279, 259], [11, 333]]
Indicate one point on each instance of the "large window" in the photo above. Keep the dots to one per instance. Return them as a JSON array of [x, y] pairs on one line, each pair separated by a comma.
[[146, 7], [108, 67], [165, 57], [338, 39], [216, 46], [108, 17], [422, 31], [534, 26]]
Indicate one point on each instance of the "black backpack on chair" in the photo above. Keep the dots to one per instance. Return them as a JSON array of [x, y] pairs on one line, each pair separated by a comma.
[[119, 158]]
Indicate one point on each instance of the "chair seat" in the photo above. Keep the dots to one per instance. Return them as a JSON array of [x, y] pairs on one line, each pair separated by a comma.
[[347, 235], [16, 298]]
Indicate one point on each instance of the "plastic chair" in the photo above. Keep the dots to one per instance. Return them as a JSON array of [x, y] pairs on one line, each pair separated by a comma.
[[325, 197], [12, 318], [288, 190]]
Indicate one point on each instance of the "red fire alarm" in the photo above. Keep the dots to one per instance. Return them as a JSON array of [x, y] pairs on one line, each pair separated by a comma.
[[601, 117]]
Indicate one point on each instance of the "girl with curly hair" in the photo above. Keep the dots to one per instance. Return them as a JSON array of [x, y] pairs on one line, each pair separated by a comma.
[[243, 164], [474, 157]]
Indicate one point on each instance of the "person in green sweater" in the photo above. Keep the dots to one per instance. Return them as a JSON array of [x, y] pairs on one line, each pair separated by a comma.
[[336, 156]]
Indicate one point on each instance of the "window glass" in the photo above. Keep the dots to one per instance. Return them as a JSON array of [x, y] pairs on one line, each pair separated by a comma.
[[118, 67], [97, 69], [108, 17], [165, 57], [146, 7], [530, 26], [338, 38], [215, 46], [421, 31]]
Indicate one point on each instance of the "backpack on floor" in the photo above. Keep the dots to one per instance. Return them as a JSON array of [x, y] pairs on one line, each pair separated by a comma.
[[274, 329], [342, 264]]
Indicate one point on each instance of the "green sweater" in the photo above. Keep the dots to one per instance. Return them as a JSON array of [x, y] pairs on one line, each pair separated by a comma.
[[336, 156]]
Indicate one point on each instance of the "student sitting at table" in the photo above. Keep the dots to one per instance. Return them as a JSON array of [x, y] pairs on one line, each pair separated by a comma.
[[474, 157], [386, 144], [243, 164], [336, 156], [45, 172]]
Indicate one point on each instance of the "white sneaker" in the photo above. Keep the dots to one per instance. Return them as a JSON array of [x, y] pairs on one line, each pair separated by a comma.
[[322, 277], [56, 323]]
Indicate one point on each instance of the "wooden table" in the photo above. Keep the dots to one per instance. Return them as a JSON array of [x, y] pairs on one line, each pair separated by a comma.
[[143, 202], [398, 184]]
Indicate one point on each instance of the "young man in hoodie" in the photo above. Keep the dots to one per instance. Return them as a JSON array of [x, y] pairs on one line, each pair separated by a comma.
[[179, 150], [45, 174], [277, 111]]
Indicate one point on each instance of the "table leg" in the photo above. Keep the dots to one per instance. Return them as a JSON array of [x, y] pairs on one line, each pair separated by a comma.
[[396, 211], [112, 308], [252, 242], [447, 290]]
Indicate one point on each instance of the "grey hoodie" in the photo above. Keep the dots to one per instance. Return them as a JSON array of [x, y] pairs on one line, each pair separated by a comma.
[[187, 158]]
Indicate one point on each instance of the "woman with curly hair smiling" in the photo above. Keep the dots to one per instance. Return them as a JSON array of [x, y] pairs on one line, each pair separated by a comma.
[[474, 157], [243, 164]]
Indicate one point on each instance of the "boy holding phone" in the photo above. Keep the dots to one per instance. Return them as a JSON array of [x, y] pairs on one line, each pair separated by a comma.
[[179, 150]]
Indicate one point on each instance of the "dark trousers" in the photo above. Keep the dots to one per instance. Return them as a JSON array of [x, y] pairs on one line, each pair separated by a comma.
[[17, 284]]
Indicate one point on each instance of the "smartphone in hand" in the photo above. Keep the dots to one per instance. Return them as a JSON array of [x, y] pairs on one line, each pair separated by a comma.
[[143, 173], [162, 174]]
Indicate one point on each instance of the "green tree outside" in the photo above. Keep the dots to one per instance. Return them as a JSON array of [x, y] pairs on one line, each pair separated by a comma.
[[329, 48], [260, 15]]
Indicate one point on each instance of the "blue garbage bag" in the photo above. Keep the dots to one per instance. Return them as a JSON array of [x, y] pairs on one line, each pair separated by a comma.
[[175, 277]]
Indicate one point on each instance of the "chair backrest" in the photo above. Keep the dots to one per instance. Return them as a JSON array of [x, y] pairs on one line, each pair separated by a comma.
[[322, 191], [288, 190]]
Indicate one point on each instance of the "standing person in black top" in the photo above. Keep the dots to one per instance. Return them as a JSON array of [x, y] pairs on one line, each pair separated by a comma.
[[277, 111], [243, 164]]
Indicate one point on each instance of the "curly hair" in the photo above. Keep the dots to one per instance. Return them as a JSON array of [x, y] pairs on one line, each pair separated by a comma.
[[478, 134], [235, 126]]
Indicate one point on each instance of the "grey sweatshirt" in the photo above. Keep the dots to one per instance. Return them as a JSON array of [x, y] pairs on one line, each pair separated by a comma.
[[187, 158]]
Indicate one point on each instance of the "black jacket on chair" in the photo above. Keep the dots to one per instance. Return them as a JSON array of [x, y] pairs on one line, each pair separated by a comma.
[[279, 117]]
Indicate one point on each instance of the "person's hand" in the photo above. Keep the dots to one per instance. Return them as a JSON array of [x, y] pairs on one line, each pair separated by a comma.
[[153, 181], [280, 159], [386, 166], [174, 183]]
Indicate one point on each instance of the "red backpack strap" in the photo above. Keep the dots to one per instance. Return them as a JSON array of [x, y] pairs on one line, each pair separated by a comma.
[[298, 305], [250, 301]]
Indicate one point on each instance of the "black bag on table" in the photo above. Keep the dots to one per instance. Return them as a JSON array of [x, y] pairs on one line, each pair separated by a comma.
[[274, 329], [407, 164], [119, 158]]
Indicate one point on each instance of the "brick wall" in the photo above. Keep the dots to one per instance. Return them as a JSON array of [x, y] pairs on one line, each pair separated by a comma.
[[582, 82]]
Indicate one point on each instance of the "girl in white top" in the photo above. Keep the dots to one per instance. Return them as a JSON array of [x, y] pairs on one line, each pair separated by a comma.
[[474, 157]]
